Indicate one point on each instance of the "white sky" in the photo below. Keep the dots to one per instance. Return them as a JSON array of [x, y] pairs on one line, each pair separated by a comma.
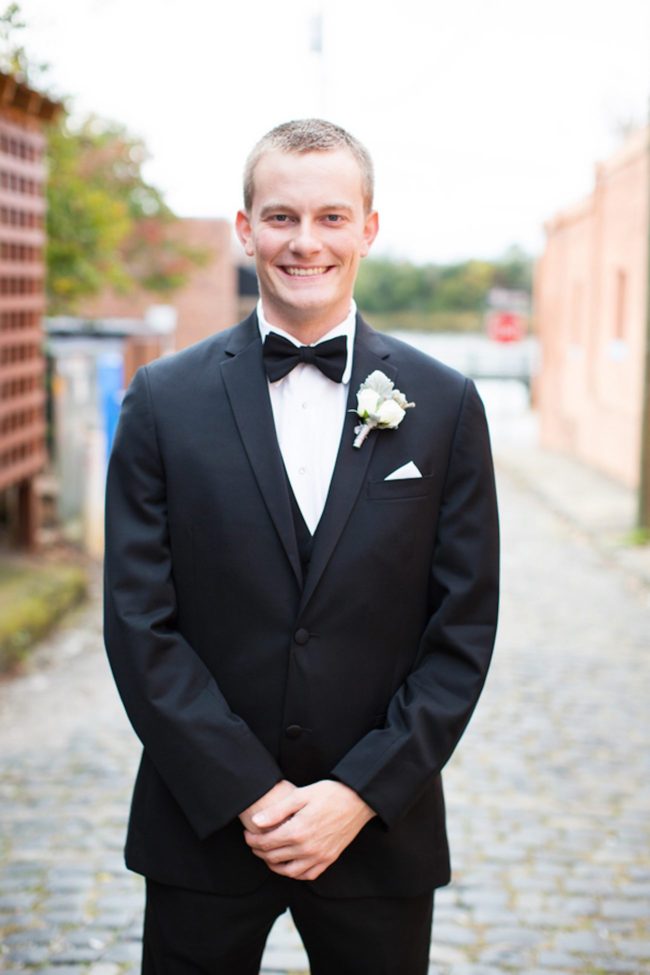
[[484, 117]]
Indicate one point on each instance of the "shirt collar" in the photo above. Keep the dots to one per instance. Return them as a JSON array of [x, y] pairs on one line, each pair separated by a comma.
[[347, 327]]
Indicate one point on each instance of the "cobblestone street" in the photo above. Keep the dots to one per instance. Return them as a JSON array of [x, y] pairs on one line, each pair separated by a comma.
[[548, 794]]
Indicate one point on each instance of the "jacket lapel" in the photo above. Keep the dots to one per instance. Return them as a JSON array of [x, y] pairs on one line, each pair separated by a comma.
[[370, 353], [247, 389]]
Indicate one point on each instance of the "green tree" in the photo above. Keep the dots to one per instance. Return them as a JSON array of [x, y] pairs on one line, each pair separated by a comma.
[[14, 59], [514, 270], [384, 285], [463, 287], [106, 226], [87, 224], [448, 297]]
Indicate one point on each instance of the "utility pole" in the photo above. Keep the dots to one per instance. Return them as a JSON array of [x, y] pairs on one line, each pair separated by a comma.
[[643, 518]]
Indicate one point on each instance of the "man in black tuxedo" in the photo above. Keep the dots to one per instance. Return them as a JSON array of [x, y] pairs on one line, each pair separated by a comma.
[[301, 599]]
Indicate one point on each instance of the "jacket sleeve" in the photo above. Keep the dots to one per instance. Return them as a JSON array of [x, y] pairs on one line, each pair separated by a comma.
[[390, 767], [207, 756]]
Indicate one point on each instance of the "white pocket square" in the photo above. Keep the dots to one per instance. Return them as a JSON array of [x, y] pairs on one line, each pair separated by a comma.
[[406, 470]]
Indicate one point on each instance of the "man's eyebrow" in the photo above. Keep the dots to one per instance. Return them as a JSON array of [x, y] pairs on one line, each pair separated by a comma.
[[287, 208], [274, 208], [336, 206]]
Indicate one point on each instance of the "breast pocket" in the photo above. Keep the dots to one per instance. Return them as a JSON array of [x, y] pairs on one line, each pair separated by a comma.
[[401, 489]]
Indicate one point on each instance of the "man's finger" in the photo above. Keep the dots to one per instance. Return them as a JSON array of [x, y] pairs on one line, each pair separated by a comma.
[[312, 872], [278, 812], [274, 857], [270, 839], [296, 869]]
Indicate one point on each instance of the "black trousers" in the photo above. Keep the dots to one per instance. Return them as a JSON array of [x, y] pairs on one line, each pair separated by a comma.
[[188, 932]]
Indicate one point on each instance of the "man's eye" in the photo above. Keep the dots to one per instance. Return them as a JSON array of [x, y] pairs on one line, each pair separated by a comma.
[[280, 217], [333, 218]]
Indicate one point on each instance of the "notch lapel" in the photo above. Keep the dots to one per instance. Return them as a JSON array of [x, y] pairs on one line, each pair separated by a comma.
[[370, 353], [247, 390]]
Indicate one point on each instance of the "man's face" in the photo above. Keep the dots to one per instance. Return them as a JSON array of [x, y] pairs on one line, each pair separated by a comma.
[[307, 230]]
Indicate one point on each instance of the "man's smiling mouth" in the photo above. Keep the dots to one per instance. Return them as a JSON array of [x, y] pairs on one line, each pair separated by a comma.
[[304, 272]]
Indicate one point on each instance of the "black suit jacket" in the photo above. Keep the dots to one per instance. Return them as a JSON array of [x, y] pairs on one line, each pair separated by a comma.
[[236, 672]]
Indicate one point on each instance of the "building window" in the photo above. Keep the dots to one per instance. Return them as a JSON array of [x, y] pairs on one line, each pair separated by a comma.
[[620, 305], [575, 325]]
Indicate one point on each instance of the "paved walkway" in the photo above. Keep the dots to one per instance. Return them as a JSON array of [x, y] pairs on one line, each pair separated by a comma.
[[548, 794]]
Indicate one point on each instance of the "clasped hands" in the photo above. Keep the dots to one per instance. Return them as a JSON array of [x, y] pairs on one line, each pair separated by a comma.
[[300, 831]]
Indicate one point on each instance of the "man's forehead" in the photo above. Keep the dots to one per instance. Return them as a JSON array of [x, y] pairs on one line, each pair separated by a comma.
[[332, 177]]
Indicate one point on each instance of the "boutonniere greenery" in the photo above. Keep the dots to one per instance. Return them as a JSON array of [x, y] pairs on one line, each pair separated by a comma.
[[379, 405]]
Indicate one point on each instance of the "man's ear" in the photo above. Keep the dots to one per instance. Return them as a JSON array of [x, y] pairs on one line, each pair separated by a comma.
[[244, 231], [370, 231]]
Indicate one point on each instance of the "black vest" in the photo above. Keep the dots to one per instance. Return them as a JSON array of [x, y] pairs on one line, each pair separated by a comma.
[[304, 537]]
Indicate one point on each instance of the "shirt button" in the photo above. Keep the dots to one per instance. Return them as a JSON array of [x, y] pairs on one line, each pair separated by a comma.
[[301, 637], [302, 470], [293, 731], [305, 406]]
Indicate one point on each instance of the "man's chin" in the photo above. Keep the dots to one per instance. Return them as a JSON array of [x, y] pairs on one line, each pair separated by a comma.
[[308, 300]]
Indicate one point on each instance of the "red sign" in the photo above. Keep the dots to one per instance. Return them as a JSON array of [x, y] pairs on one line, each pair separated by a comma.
[[505, 326]]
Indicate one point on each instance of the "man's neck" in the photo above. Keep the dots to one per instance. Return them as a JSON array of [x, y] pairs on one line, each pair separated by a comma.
[[307, 332]]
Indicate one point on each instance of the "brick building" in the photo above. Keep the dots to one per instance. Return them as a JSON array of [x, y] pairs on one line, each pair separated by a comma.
[[206, 304], [23, 115], [590, 308]]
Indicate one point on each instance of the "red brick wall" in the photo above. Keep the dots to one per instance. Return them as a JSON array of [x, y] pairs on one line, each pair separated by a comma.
[[207, 303], [22, 273], [590, 295]]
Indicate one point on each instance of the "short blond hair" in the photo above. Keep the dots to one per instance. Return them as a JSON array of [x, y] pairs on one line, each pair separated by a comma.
[[309, 135]]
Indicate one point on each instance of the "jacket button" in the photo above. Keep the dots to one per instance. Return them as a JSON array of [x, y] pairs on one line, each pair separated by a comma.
[[293, 731], [301, 637]]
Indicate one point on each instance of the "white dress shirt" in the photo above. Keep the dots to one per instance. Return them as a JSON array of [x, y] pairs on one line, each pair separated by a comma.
[[309, 410]]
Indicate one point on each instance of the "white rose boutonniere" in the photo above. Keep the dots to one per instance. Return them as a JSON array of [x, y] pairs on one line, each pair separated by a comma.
[[379, 405]]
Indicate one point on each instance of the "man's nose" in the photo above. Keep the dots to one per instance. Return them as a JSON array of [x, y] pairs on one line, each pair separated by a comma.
[[305, 239]]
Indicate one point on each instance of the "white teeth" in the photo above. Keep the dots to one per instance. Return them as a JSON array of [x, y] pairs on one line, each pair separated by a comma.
[[303, 272]]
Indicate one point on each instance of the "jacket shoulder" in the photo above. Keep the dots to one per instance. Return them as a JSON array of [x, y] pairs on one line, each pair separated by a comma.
[[197, 359]]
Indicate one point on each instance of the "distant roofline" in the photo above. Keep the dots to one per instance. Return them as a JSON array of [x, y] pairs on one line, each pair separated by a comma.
[[19, 96], [631, 150]]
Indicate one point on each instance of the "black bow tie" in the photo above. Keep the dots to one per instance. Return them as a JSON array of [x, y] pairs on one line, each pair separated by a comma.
[[281, 355]]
